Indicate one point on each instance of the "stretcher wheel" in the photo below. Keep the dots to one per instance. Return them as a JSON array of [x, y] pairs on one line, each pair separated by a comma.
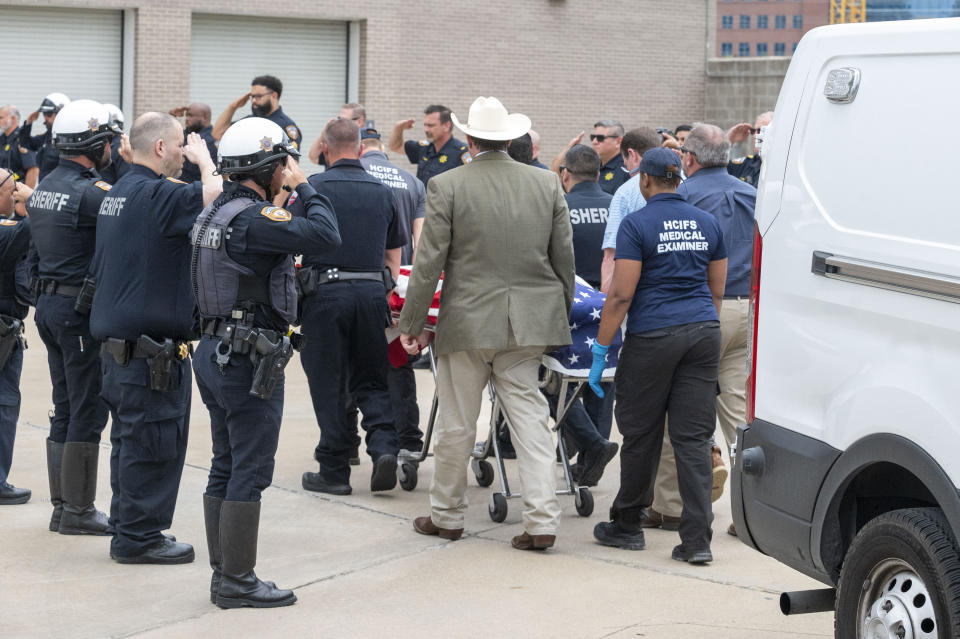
[[498, 508], [407, 476], [484, 473], [584, 501]]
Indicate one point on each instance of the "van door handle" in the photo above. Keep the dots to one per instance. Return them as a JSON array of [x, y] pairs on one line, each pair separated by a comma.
[[900, 279]]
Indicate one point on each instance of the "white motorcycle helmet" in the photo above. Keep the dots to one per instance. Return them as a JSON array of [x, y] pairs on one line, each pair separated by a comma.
[[116, 117], [83, 127], [53, 103], [251, 146]]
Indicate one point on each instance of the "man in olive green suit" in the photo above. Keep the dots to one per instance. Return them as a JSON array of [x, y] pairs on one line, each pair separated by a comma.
[[500, 232]]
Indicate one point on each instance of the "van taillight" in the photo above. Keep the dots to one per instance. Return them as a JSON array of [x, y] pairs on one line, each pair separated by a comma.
[[752, 320]]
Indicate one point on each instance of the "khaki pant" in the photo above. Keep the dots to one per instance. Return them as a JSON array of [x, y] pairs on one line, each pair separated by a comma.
[[731, 402], [461, 378]]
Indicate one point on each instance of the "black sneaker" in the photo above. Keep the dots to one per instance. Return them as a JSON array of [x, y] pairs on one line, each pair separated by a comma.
[[11, 495], [165, 552], [316, 483], [609, 534], [595, 462], [384, 476], [698, 557]]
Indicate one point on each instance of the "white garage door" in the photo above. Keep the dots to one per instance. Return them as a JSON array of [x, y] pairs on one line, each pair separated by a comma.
[[72, 51], [309, 57]]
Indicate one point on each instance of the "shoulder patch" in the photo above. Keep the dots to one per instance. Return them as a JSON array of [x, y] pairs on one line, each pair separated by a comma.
[[100, 184], [423, 143], [737, 161], [276, 214], [466, 158], [176, 181], [8, 222], [292, 131]]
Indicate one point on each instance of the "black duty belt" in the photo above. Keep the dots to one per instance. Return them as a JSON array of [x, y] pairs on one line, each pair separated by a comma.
[[336, 275], [142, 348], [240, 338], [52, 287]]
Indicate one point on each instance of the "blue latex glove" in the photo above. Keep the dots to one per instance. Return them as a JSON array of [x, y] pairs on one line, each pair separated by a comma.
[[597, 366]]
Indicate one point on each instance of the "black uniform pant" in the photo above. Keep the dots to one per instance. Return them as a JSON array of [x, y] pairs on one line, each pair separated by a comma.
[[79, 413], [245, 429], [670, 371], [149, 439], [402, 383], [9, 408], [345, 357]]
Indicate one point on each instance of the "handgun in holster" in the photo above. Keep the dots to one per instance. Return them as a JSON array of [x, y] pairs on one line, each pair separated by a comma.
[[269, 359], [160, 356], [10, 330], [85, 298]]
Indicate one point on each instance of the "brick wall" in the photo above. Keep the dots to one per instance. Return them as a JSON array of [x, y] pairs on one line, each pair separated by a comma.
[[565, 63], [738, 90]]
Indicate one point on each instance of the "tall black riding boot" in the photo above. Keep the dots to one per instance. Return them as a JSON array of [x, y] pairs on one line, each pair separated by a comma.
[[211, 518], [78, 485], [239, 586], [54, 463]]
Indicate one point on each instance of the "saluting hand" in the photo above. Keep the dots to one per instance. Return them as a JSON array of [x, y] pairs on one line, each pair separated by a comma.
[[125, 151], [33, 117], [293, 175], [239, 102], [739, 133], [178, 112], [195, 149], [21, 192], [576, 140], [406, 124]]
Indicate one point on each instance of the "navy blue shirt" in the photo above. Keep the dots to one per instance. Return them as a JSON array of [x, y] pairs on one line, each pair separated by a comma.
[[367, 217], [676, 243], [118, 166], [15, 157], [589, 208], [732, 202], [612, 174], [47, 155], [540, 165], [431, 162], [63, 212], [142, 260], [746, 169], [283, 120], [263, 236], [409, 194], [191, 172], [14, 242]]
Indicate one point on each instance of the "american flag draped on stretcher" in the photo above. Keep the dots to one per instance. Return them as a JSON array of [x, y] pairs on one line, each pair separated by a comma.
[[571, 360]]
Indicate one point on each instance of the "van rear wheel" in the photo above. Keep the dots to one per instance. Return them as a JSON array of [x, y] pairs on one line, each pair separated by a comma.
[[900, 579]]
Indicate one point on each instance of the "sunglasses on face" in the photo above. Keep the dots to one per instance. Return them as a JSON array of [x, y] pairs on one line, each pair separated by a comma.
[[684, 149], [754, 131], [599, 137]]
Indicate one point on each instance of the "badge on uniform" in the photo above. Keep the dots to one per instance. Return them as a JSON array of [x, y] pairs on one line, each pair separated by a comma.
[[276, 214], [266, 143], [93, 124], [608, 176], [8, 222], [466, 158], [7, 148], [292, 131], [442, 159], [176, 181], [100, 184]]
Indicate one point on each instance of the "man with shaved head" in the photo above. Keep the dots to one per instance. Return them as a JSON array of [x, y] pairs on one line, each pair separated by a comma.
[[344, 313], [143, 312], [196, 119], [14, 241]]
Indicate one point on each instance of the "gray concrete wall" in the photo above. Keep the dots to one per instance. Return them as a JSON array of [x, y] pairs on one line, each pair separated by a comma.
[[738, 90]]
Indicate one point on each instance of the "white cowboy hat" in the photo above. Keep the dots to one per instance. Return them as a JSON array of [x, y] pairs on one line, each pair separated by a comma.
[[489, 120]]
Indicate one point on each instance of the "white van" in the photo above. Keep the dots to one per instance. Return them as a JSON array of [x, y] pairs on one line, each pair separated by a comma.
[[849, 465]]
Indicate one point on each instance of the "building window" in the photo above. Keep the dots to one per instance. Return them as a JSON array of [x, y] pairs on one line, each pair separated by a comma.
[[780, 22], [779, 48], [726, 49], [763, 22], [727, 22], [744, 49], [797, 22], [744, 22], [761, 49], [793, 49]]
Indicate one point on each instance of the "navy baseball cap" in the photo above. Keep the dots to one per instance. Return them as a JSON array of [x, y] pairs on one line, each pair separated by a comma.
[[369, 134], [660, 162]]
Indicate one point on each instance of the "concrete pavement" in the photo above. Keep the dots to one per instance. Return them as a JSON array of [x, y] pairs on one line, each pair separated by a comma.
[[358, 568]]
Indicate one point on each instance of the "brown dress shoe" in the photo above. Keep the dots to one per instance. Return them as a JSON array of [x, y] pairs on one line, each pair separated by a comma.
[[425, 526], [732, 530], [653, 519], [720, 474], [527, 541]]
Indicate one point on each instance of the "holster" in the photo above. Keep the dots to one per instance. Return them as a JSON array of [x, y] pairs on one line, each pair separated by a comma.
[[10, 330], [159, 356], [388, 282], [306, 282], [269, 359], [85, 298]]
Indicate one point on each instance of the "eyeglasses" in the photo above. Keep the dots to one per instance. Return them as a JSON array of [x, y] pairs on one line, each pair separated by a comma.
[[258, 96], [560, 170], [4, 180], [598, 137], [684, 149], [754, 131]]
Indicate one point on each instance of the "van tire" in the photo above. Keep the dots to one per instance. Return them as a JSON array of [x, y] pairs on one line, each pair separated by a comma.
[[911, 541]]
